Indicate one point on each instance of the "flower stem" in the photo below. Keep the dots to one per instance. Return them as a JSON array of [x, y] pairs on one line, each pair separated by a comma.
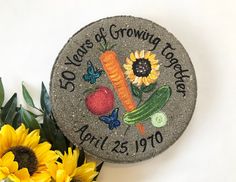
[[140, 100]]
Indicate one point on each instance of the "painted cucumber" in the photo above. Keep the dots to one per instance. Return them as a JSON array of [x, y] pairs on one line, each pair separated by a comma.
[[154, 104]]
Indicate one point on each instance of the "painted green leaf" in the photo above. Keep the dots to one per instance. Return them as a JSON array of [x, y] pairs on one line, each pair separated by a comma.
[[45, 100], [148, 88], [136, 91], [27, 97], [29, 121], [9, 110], [1, 93]]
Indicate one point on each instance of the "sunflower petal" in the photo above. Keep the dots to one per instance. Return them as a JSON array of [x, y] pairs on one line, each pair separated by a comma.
[[42, 176], [49, 156], [155, 66], [61, 176], [14, 178], [140, 81], [145, 81], [23, 174], [127, 66], [150, 80], [152, 57], [128, 61], [153, 75], [32, 139], [136, 55], [129, 72], [8, 161], [4, 172], [21, 133], [52, 168], [131, 76], [147, 54], [153, 61], [136, 80], [86, 172], [132, 57], [2, 175], [70, 161], [44, 154], [141, 55], [8, 137]]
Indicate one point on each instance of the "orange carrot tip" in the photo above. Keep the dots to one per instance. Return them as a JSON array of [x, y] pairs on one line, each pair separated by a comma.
[[140, 128]]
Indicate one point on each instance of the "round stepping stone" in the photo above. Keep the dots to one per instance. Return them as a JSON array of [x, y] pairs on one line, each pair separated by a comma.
[[123, 89]]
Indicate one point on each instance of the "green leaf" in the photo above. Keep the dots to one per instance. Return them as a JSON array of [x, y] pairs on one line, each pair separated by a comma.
[[60, 142], [81, 158], [1, 123], [17, 119], [1, 93], [53, 134], [98, 169], [29, 121], [27, 97], [49, 128], [45, 100], [9, 110], [136, 91], [149, 88], [43, 137], [32, 114]]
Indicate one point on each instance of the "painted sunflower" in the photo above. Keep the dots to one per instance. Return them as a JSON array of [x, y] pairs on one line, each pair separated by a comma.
[[142, 68], [22, 157], [67, 169]]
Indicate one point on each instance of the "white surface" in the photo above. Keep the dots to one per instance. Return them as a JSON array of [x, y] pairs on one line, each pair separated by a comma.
[[33, 32]]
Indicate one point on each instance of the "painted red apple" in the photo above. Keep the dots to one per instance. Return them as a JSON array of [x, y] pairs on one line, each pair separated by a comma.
[[100, 101]]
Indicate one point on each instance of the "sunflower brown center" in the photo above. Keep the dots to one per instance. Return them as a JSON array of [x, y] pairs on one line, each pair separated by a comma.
[[25, 157], [142, 67]]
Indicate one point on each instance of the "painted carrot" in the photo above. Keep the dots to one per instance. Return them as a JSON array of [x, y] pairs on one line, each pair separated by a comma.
[[113, 69]]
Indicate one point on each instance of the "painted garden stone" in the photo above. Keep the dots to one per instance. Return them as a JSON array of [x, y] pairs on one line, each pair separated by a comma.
[[123, 88]]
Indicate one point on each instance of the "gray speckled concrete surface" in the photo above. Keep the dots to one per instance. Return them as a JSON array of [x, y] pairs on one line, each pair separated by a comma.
[[69, 107]]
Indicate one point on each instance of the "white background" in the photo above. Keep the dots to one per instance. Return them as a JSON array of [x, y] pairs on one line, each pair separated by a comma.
[[33, 32]]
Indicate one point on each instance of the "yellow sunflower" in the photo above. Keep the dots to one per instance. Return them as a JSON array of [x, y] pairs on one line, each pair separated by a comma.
[[23, 158], [142, 68], [67, 170]]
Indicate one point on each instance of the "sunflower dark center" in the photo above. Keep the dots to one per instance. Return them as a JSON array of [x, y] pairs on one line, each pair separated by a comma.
[[25, 157], [142, 67]]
